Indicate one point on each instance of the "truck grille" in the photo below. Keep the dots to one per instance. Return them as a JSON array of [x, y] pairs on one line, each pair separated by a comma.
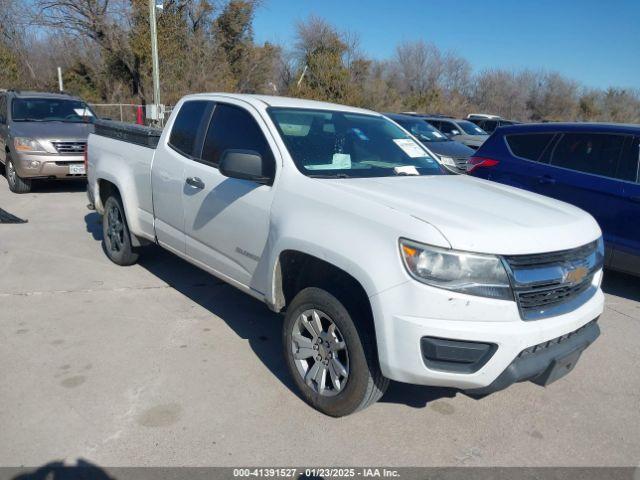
[[70, 148], [544, 297], [553, 283]]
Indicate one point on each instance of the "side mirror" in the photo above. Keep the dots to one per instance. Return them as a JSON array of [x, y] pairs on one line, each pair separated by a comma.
[[243, 164]]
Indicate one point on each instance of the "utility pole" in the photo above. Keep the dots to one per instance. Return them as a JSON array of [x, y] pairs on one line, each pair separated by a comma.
[[156, 114], [60, 84]]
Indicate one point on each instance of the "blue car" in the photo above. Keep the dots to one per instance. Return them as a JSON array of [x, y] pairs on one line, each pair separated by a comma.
[[593, 166]]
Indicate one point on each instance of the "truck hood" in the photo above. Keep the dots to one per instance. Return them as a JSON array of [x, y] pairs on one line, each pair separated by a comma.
[[52, 130], [478, 215]]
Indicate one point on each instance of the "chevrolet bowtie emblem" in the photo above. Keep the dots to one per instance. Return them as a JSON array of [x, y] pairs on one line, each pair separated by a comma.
[[576, 275]]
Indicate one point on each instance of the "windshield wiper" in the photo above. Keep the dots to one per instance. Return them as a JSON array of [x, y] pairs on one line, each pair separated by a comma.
[[29, 120], [333, 175]]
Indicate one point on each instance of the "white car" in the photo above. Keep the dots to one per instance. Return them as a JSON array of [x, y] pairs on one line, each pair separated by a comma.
[[384, 267]]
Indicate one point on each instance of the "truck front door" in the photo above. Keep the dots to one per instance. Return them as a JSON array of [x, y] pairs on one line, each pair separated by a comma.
[[227, 219]]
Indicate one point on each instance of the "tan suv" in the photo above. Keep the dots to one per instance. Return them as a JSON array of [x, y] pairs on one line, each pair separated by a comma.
[[42, 135]]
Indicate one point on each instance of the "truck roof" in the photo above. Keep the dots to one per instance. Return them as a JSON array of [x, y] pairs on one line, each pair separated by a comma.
[[285, 102]]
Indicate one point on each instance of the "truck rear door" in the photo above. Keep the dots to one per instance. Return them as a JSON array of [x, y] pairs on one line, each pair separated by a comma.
[[168, 172]]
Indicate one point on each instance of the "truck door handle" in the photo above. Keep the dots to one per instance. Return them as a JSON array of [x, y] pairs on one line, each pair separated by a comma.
[[635, 199], [195, 182], [546, 179]]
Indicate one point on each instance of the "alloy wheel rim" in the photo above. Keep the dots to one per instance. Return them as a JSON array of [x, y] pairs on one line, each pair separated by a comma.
[[115, 229], [11, 172], [320, 353]]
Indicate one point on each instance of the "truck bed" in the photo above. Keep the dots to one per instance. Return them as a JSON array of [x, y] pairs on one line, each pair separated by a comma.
[[127, 132], [122, 154]]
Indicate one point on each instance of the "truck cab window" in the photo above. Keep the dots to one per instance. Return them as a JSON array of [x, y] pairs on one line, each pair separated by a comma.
[[186, 126], [233, 127]]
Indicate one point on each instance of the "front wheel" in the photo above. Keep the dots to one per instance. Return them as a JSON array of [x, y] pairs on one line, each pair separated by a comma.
[[332, 361], [16, 183], [116, 236]]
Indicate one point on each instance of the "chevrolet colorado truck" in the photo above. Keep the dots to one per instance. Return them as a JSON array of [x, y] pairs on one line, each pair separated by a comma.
[[384, 266], [42, 136]]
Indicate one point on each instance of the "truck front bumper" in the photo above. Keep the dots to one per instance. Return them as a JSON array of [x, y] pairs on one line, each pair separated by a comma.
[[474, 343], [47, 166]]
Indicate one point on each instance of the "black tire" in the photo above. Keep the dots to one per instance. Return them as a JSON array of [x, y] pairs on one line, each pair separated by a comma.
[[365, 383], [116, 238], [16, 183]]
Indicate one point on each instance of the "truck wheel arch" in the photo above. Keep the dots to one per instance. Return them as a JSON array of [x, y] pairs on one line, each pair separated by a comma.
[[106, 188], [296, 270]]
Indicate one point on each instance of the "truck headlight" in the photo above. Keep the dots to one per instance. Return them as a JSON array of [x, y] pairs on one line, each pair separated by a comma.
[[464, 272], [28, 145]]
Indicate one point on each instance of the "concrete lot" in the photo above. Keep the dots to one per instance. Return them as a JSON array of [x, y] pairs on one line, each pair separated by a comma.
[[161, 364]]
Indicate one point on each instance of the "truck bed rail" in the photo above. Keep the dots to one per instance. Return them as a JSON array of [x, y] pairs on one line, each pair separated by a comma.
[[127, 132]]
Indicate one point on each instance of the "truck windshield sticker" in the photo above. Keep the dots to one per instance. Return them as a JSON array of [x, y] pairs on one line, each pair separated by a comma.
[[411, 148]]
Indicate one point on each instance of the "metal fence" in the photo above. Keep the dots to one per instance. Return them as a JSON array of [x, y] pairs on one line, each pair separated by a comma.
[[124, 112]]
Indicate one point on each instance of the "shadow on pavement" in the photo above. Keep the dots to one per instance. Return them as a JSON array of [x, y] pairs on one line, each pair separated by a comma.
[[58, 186], [57, 470], [93, 223], [621, 285], [416, 396], [247, 317]]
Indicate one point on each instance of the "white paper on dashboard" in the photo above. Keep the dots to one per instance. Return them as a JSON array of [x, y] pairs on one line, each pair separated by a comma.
[[410, 147], [340, 161], [406, 170], [83, 112]]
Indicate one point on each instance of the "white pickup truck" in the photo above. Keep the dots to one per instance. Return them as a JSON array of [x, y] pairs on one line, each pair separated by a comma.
[[385, 267]]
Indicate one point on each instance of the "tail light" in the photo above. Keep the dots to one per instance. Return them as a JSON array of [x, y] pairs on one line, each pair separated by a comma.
[[475, 163]]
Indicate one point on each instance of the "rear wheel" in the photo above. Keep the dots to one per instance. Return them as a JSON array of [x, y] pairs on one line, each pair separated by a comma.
[[333, 362], [16, 183], [116, 235]]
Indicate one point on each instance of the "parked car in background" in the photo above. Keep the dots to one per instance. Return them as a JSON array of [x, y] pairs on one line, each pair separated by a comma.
[[593, 166], [42, 135], [451, 154], [489, 123], [462, 131], [384, 267]]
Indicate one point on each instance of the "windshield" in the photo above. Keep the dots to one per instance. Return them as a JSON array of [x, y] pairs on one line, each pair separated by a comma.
[[471, 128], [49, 110], [339, 144], [423, 131]]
